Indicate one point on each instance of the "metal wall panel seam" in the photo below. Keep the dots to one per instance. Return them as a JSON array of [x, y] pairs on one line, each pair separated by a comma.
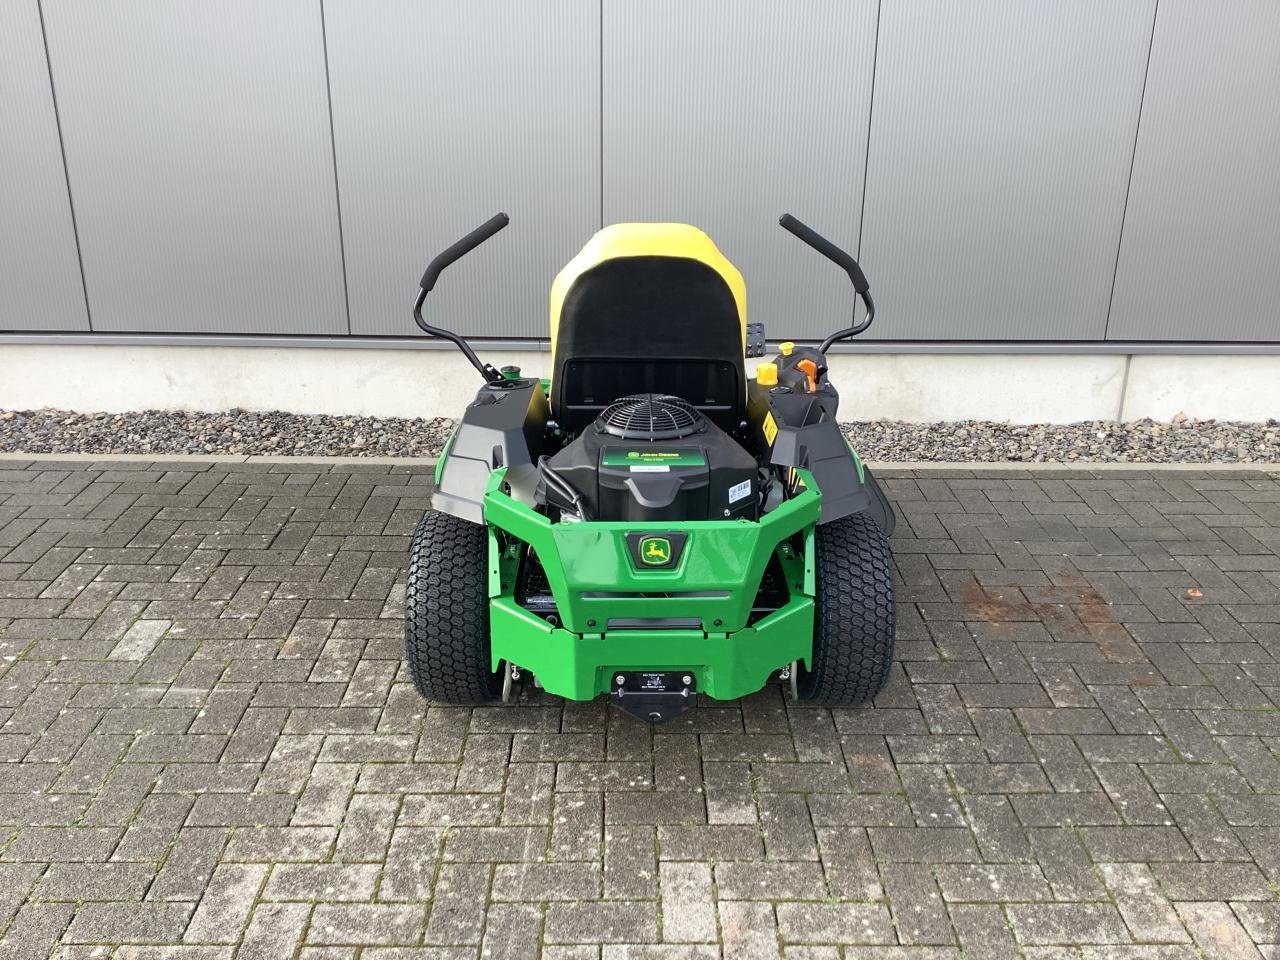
[[1124, 388], [1201, 240], [66, 176], [747, 110], [600, 106], [444, 114], [1003, 133], [195, 134], [1137, 129], [871, 112], [333, 148]]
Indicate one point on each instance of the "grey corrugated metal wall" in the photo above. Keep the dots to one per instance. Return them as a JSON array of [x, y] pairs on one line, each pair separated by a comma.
[[1008, 170], [201, 167], [39, 270]]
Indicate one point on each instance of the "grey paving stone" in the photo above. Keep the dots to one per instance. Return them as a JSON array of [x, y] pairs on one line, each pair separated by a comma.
[[1209, 881], [115, 923], [213, 750], [688, 907], [36, 930], [984, 931], [1148, 915], [781, 880], [992, 882], [458, 904], [95, 881], [840, 923], [537, 882], [616, 921], [925, 844], [1261, 920], [631, 951], [512, 932], [225, 904], [1217, 932], [749, 930], [1136, 843], [275, 931], [916, 904], [366, 923], [1067, 924]]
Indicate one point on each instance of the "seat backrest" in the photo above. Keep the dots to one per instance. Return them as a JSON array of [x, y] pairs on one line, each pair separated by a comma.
[[648, 308]]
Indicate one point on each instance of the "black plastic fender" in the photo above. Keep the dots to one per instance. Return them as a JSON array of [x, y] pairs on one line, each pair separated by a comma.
[[879, 509], [502, 427], [822, 449]]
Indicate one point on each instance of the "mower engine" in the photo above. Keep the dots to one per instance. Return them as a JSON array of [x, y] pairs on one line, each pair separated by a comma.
[[652, 457]]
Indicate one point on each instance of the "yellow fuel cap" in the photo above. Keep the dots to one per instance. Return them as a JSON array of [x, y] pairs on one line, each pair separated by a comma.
[[767, 374], [786, 347]]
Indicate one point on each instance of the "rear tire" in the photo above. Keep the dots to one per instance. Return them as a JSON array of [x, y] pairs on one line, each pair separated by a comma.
[[446, 611], [853, 621]]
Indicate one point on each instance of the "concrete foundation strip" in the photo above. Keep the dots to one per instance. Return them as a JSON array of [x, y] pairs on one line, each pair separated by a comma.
[[1001, 466]]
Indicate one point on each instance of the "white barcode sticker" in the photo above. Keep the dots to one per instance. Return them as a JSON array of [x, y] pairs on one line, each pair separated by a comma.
[[740, 491]]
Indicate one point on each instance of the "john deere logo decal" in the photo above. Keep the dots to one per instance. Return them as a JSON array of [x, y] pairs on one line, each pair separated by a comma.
[[655, 551]]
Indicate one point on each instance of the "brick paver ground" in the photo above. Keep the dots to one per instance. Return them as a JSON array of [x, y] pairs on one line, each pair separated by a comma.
[[211, 749]]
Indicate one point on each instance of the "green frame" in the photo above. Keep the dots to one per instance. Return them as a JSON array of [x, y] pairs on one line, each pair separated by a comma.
[[593, 578]]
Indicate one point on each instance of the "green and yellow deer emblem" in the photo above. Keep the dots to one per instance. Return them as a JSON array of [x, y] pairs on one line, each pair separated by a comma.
[[655, 551]]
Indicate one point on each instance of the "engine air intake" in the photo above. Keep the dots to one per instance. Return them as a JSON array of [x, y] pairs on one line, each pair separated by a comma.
[[650, 416]]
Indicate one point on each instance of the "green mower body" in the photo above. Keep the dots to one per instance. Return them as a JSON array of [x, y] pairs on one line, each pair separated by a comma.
[[651, 523]]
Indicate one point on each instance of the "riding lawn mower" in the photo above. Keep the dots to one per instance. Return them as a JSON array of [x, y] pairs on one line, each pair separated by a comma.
[[651, 523]]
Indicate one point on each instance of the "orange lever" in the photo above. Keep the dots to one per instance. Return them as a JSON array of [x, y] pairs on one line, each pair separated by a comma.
[[810, 370]]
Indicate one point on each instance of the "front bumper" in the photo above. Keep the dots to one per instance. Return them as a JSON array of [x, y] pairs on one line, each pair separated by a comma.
[[709, 592], [579, 666]]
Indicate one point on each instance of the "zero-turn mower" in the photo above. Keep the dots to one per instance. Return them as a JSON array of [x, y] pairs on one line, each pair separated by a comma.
[[651, 523]]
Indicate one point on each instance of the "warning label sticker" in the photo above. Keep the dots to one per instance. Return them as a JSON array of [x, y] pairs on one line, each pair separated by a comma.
[[770, 428]]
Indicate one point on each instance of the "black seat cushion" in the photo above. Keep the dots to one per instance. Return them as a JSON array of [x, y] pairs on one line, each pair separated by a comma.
[[648, 325]]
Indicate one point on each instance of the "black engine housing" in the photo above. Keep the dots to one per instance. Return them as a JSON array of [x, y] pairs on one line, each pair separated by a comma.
[[652, 457]]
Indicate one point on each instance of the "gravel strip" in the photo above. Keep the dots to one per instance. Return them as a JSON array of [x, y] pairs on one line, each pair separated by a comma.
[[247, 433], [234, 432], [1142, 441]]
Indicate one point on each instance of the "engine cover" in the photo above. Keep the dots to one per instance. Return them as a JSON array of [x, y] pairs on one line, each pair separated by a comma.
[[652, 458]]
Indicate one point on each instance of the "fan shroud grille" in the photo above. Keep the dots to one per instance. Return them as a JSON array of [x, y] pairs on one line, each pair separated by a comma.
[[650, 416]]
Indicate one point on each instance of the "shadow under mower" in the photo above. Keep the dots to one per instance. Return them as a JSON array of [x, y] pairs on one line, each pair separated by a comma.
[[650, 523]]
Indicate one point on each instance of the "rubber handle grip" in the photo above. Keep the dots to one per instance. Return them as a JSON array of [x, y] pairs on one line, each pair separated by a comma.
[[828, 250], [464, 246]]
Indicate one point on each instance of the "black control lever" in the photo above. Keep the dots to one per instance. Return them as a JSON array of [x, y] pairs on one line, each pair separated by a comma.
[[464, 246], [841, 259]]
